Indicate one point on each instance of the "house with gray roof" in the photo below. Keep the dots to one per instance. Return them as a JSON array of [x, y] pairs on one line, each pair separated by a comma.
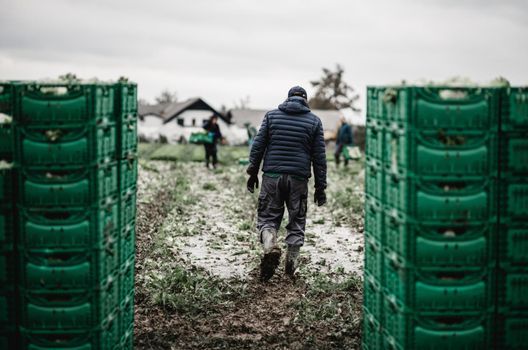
[[253, 117]]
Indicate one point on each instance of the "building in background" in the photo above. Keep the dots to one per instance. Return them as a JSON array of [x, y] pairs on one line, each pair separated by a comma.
[[175, 122], [253, 117]]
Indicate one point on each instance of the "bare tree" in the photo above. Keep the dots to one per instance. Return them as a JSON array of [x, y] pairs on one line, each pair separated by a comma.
[[167, 97], [243, 103], [332, 92], [143, 102]]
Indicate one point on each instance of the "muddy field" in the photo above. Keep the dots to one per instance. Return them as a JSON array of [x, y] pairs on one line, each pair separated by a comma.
[[197, 284]]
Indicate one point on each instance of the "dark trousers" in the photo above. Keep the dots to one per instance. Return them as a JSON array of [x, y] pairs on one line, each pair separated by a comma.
[[274, 193], [338, 152], [210, 152]]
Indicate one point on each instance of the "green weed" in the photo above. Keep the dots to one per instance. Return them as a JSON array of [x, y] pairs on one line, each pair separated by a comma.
[[245, 225], [329, 302], [319, 221], [209, 186], [191, 291]]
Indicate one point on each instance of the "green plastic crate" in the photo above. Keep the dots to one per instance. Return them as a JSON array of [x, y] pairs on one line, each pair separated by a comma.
[[101, 337], [6, 98], [128, 117], [128, 206], [440, 152], [514, 154], [7, 267], [63, 269], [406, 330], [512, 288], [6, 141], [373, 295], [514, 199], [440, 244], [437, 289], [375, 140], [7, 226], [62, 104], [128, 173], [127, 241], [513, 243], [69, 187], [126, 101], [7, 186], [371, 331], [72, 229], [512, 331], [8, 314], [514, 109], [374, 176], [9, 339], [395, 104], [126, 278], [62, 309], [127, 340], [458, 108], [65, 146], [374, 103], [442, 107], [201, 138], [126, 313], [442, 199], [373, 256], [128, 139], [374, 218], [243, 161]]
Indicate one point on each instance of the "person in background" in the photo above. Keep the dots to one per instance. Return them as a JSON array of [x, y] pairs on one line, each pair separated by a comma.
[[252, 133], [290, 141], [213, 130], [343, 139]]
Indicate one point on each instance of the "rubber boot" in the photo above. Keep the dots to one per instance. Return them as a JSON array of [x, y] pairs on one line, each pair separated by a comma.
[[271, 258], [292, 260]]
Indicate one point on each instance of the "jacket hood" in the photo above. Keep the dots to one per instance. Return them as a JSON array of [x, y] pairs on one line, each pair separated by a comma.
[[294, 105]]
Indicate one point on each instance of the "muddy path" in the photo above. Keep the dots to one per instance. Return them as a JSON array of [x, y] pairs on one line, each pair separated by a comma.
[[197, 283]]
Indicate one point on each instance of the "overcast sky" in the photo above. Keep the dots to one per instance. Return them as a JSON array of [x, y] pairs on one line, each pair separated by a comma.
[[224, 50]]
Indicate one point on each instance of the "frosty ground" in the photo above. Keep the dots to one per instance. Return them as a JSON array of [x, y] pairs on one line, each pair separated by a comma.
[[197, 283]]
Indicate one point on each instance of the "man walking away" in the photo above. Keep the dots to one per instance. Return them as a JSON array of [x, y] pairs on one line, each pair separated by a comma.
[[290, 141], [344, 139], [211, 126]]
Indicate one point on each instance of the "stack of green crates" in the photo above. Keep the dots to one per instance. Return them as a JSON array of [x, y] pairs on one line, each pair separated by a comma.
[[8, 317], [74, 254], [128, 171], [431, 217], [512, 287]]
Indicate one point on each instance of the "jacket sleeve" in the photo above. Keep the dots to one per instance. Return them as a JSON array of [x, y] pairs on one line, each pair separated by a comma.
[[350, 135], [258, 148], [319, 156]]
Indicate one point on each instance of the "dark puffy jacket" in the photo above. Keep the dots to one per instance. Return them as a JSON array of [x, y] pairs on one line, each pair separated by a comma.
[[215, 129], [344, 135], [290, 139]]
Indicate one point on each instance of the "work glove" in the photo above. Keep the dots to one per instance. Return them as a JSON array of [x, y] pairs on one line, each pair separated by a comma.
[[252, 182], [320, 196]]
